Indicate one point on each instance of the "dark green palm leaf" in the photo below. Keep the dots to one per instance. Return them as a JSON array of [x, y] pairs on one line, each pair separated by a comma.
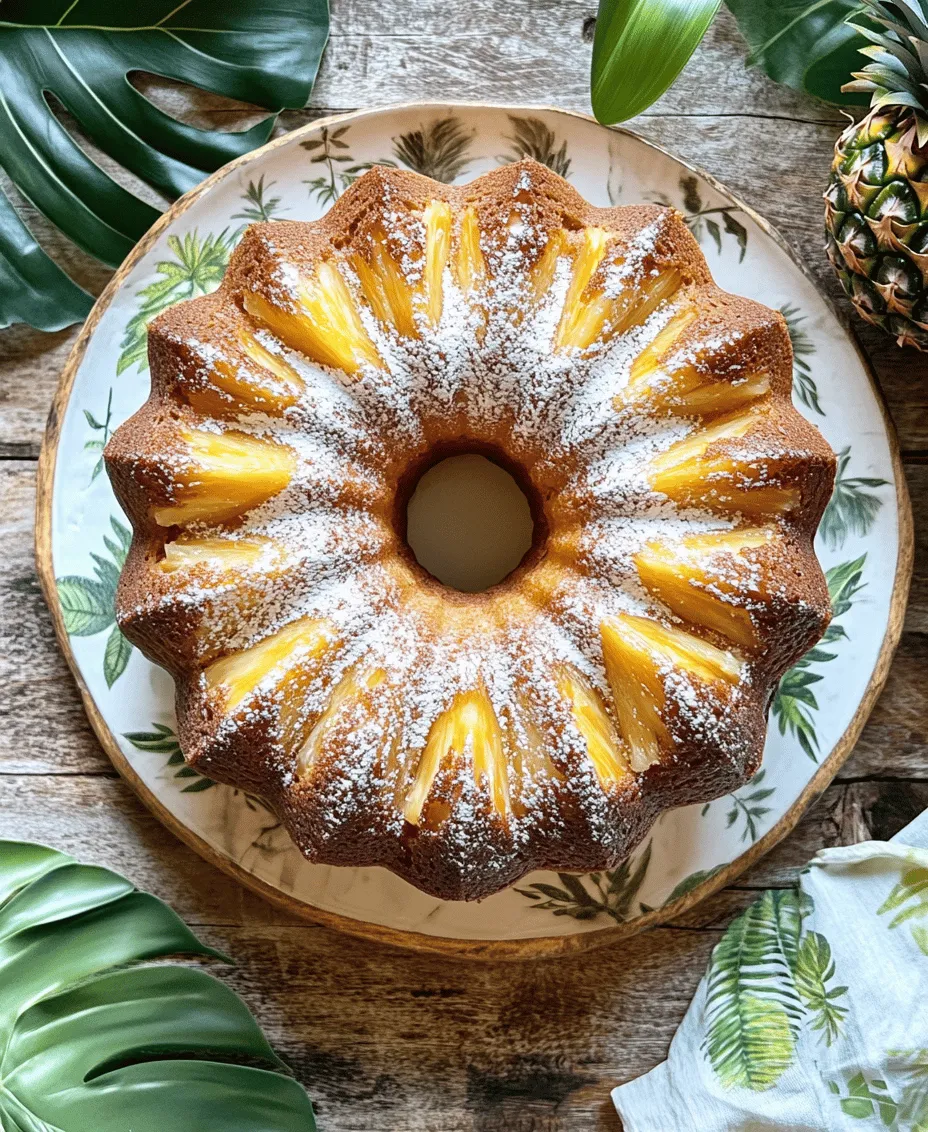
[[531, 137], [439, 149], [806, 44], [805, 389], [96, 1037], [852, 509], [753, 1010], [794, 703], [82, 51]]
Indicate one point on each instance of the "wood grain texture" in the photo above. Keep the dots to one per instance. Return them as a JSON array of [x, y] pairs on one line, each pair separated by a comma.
[[388, 1041]]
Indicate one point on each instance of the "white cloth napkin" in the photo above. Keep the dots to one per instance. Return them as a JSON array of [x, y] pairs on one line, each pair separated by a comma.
[[813, 1015]]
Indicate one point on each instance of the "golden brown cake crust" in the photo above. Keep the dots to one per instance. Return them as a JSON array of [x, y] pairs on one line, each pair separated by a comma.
[[462, 740]]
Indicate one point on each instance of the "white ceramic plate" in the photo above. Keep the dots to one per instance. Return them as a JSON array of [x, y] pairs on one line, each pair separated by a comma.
[[864, 543]]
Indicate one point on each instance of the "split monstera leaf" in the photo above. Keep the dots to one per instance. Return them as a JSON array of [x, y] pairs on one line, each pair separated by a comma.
[[81, 53], [641, 46], [92, 1037]]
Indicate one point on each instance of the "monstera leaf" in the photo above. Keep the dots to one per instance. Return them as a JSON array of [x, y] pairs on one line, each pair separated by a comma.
[[265, 52], [91, 1038], [806, 44]]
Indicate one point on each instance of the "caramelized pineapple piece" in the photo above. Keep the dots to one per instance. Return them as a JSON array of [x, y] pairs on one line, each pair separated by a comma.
[[590, 315], [576, 328], [221, 554], [385, 287], [683, 389], [651, 357], [470, 265], [688, 578], [637, 654], [543, 271], [528, 751], [271, 385], [603, 746], [228, 474], [437, 218], [300, 643], [468, 726], [695, 396], [354, 688], [689, 473], [325, 325]]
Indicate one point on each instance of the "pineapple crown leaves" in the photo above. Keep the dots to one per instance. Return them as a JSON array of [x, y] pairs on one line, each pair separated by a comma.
[[897, 34]]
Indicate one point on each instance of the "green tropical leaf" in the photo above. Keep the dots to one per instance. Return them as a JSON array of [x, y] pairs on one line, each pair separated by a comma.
[[866, 1099], [115, 656], [95, 1036], [531, 137], [86, 605], [608, 893], [82, 52], [814, 968], [805, 389], [746, 805], [687, 885], [753, 1011], [639, 48], [852, 509], [805, 44], [909, 898], [258, 207], [197, 268], [439, 149], [161, 740], [793, 702]]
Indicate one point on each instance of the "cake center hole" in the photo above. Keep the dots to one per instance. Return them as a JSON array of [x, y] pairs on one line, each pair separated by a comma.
[[468, 522]]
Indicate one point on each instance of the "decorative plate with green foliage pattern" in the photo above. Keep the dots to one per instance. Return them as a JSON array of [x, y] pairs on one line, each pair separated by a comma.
[[864, 542]]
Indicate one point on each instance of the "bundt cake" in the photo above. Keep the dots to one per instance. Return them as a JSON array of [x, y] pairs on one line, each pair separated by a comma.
[[625, 666]]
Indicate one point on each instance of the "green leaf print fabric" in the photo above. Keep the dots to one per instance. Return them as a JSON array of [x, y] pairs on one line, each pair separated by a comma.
[[813, 1014]]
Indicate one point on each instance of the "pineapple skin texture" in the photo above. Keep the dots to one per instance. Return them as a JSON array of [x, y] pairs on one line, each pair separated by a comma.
[[435, 849], [876, 223]]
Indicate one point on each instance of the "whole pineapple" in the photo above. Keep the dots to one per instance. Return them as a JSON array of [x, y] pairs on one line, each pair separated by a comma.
[[876, 204]]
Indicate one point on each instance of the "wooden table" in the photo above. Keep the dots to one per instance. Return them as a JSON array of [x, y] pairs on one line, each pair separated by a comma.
[[388, 1041]]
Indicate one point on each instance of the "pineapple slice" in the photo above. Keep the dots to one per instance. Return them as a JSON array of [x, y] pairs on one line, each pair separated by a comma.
[[350, 690], [637, 654], [228, 474], [544, 269], [287, 655], [325, 325], [603, 746], [693, 396], [469, 725], [470, 265], [591, 315], [685, 391], [217, 553], [437, 217], [270, 388], [688, 473], [683, 577], [525, 742], [581, 321], [648, 361], [385, 287]]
